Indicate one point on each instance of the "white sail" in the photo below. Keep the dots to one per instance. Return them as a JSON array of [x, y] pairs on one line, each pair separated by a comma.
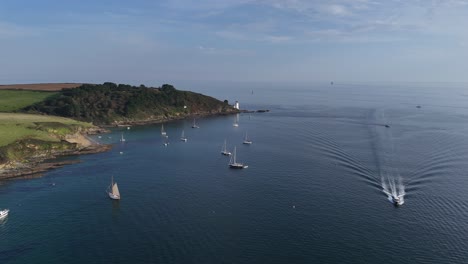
[[115, 190], [162, 130], [232, 159]]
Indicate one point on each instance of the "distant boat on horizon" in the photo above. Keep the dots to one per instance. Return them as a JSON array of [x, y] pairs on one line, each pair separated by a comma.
[[182, 137], [224, 150], [233, 164], [4, 213], [113, 190], [194, 124]]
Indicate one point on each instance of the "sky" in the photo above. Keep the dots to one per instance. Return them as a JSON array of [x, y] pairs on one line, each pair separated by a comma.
[[159, 41]]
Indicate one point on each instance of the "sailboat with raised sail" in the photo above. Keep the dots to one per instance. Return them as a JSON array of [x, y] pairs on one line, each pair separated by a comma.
[[122, 139], [224, 150], [194, 124], [182, 137], [247, 141], [113, 190], [233, 164], [163, 133]]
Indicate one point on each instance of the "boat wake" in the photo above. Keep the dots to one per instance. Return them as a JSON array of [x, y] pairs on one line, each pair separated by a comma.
[[391, 181], [394, 189]]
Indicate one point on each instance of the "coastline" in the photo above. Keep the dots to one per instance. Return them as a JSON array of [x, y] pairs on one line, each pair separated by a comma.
[[176, 118], [39, 165], [43, 163]]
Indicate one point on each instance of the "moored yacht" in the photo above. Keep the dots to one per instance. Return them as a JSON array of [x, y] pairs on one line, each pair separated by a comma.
[[247, 141], [224, 150], [182, 137], [233, 164], [194, 124]]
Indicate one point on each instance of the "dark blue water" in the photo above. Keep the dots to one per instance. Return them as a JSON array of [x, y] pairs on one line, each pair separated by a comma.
[[316, 191]]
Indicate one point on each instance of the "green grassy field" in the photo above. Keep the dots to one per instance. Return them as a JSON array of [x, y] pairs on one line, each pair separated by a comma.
[[13, 100], [15, 126]]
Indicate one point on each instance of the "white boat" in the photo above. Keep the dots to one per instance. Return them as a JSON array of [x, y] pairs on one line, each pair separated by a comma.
[[113, 190], [166, 141], [4, 213], [194, 125], [247, 141], [163, 133], [236, 121], [224, 150], [234, 164], [396, 200], [182, 137], [122, 139]]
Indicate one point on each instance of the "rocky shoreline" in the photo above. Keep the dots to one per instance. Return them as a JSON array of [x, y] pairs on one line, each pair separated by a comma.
[[42, 164]]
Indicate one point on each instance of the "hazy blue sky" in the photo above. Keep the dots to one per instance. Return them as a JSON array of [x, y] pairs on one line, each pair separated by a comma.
[[153, 42]]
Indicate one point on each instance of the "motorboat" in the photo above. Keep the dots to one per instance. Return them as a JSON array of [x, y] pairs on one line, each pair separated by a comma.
[[396, 200], [4, 213]]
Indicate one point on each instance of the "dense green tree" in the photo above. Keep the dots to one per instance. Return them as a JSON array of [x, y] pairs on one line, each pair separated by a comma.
[[108, 102]]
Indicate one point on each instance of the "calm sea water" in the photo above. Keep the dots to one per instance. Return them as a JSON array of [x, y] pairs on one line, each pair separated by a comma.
[[321, 166]]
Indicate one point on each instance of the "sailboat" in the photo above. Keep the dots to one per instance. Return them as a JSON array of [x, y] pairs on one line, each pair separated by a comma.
[[4, 213], [247, 141], [163, 133], [224, 150], [182, 137], [234, 164], [113, 190], [194, 125], [236, 121], [122, 139]]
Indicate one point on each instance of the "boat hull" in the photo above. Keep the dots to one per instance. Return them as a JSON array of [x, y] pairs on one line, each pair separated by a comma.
[[238, 166], [114, 197]]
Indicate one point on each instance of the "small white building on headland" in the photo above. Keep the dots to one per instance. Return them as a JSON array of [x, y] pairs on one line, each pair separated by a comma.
[[236, 105]]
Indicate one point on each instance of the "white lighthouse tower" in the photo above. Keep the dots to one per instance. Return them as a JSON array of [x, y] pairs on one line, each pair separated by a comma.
[[236, 105]]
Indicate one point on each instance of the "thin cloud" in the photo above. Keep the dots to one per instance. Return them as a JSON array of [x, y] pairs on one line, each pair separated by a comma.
[[9, 30]]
